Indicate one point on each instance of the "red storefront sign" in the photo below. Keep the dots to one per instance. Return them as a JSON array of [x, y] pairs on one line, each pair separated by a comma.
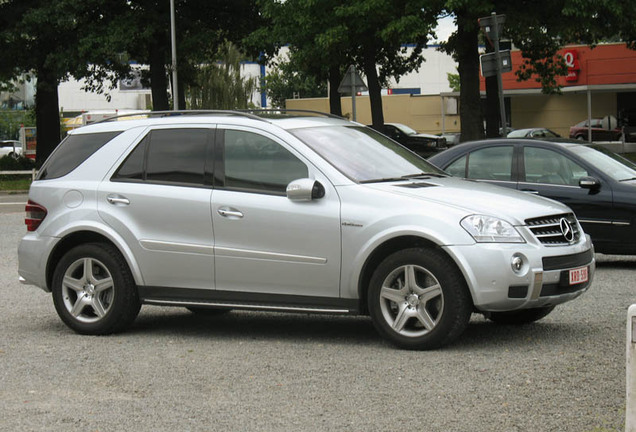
[[571, 57]]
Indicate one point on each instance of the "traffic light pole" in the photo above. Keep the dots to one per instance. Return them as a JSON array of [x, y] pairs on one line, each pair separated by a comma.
[[502, 107]]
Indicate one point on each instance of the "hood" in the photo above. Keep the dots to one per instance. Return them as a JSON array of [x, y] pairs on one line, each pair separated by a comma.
[[476, 198]]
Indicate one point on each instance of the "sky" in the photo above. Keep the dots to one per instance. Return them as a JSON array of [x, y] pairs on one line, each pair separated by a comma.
[[445, 27]]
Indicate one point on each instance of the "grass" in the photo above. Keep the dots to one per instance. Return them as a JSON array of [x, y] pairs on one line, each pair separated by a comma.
[[11, 183]]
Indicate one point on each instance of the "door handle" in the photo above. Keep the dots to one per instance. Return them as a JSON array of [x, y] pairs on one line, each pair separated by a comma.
[[230, 213], [117, 200]]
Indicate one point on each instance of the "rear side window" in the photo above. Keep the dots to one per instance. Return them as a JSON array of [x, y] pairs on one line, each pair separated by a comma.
[[72, 151], [174, 156]]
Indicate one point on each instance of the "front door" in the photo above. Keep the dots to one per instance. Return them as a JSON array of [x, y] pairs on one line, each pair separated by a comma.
[[264, 242], [554, 175]]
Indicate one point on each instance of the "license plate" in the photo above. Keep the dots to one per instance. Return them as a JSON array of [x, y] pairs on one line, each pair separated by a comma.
[[578, 275]]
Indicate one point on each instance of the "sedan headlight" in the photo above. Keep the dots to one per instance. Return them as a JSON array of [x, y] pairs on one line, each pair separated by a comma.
[[488, 229]]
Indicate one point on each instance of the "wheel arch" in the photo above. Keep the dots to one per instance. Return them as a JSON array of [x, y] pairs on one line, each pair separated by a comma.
[[387, 248], [85, 236]]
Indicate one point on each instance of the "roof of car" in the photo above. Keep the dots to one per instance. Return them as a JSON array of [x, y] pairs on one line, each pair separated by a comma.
[[286, 119], [461, 148]]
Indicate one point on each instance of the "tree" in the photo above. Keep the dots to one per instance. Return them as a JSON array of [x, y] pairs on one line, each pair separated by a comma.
[[377, 31], [284, 82], [314, 53], [326, 36], [202, 26], [48, 41], [220, 85], [539, 29]]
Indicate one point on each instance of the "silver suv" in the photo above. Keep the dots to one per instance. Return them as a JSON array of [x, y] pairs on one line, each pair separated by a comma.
[[228, 210]]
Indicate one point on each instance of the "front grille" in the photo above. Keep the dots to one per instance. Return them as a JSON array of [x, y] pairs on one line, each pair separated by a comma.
[[549, 232]]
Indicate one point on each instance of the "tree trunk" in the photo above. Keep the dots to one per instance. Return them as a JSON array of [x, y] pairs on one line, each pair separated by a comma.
[[375, 91], [335, 105], [158, 78], [469, 98], [47, 114]]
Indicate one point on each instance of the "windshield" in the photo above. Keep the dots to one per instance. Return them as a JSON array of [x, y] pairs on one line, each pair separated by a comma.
[[404, 128], [608, 162], [364, 155]]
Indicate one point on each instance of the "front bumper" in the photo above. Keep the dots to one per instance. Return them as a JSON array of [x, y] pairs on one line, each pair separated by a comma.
[[542, 281]]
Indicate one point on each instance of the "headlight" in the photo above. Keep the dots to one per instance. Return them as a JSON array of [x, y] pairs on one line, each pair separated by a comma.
[[488, 229]]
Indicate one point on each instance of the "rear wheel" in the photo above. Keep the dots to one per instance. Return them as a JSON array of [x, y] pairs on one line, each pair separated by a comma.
[[418, 299], [524, 316], [94, 291]]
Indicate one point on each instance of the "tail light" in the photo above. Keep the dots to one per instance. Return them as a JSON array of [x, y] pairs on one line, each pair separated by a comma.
[[35, 214]]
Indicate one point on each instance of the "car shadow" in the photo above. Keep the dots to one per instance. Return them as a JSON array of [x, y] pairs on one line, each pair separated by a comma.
[[480, 334], [263, 326]]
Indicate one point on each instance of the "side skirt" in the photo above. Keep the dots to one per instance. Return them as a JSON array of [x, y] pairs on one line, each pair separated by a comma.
[[184, 297]]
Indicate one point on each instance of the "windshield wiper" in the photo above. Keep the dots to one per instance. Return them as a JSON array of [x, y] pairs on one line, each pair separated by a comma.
[[420, 175], [404, 177]]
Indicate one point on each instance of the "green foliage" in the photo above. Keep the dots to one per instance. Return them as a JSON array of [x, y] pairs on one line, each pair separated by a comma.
[[453, 82], [11, 120], [220, 85], [283, 82], [9, 163]]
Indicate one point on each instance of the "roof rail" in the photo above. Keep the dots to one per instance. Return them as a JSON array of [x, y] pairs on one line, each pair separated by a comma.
[[279, 113], [160, 114], [255, 114]]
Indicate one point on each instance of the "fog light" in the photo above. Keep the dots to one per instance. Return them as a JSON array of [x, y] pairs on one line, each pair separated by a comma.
[[517, 263]]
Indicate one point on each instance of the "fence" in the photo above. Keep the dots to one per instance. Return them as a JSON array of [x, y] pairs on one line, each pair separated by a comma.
[[33, 173]]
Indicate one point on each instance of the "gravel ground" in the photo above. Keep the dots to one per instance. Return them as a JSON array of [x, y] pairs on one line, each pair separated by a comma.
[[175, 371]]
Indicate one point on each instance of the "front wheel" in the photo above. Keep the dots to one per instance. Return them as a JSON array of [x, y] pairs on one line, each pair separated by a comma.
[[524, 316], [418, 299], [93, 290]]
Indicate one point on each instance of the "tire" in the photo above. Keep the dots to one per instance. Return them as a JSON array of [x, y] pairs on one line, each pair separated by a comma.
[[418, 299], [211, 311], [99, 301], [524, 316]]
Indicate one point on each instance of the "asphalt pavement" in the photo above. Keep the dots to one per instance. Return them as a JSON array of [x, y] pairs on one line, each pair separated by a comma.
[[12, 202], [254, 371]]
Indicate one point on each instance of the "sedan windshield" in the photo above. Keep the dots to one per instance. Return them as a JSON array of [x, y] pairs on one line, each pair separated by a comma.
[[608, 162], [407, 130], [364, 155]]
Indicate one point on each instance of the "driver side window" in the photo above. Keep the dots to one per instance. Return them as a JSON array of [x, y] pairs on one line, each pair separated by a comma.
[[255, 163], [549, 167]]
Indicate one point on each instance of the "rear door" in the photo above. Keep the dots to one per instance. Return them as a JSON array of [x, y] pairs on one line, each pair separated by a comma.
[[158, 199]]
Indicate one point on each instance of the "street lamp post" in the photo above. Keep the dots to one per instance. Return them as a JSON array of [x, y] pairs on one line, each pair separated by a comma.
[[173, 40]]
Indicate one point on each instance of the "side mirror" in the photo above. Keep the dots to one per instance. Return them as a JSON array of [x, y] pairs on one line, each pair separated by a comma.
[[305, 190], [589, 183]]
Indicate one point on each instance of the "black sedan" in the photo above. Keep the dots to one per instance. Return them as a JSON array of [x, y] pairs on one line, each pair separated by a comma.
[[423, 144], [599, 185]]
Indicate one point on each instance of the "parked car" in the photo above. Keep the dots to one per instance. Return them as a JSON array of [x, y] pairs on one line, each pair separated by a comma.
[[580, 131], [600, 186], [452, 138], [533, 133], [10, 148], [423, 144], [222, 211]]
